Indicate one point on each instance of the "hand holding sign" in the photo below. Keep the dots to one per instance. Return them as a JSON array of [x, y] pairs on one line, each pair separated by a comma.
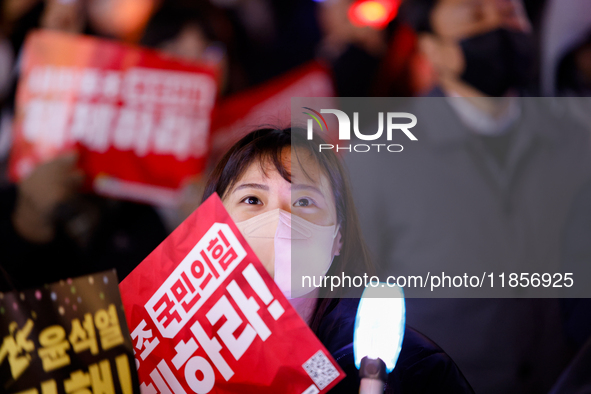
[[206, 317], [41, 192], [139, 119]]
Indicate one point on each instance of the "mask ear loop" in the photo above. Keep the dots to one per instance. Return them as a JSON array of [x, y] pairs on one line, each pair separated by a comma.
[[338, 252], [336, 231]]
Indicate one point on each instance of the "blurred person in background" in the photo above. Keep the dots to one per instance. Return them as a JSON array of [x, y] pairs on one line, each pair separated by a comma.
[[66, 16], [117, 19], [197, 32], [566, 73], [6, 60], [566, 56], [194, 32], [270, 37], [49, 228], [354, 52], [6, 86], [487, 186], [577, 311], [566, 49], [120, 19], [369, 59], [477, 47], [19, 17]]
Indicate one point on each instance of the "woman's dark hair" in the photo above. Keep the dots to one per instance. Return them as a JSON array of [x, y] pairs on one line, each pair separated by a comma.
[[265, 146]]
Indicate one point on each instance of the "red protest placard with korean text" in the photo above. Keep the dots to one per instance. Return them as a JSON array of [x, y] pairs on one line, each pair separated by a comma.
[[139, 118], [205, 316]]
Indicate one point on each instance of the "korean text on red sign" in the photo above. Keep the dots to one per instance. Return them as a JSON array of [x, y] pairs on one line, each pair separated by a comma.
[[140, 119], [67, 337], [206, 317]]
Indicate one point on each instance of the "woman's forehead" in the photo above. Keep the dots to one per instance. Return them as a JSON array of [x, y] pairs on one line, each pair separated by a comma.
[[305, 168], [299, 163]]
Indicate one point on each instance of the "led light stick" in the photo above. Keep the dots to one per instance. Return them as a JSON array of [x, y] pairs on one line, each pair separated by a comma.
[[377, 340]]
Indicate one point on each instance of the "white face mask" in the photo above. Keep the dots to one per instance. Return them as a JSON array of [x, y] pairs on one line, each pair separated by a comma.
[[279, 239]]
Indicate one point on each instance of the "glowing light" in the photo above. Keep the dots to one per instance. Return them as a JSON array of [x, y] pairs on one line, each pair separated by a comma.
[[379, 325], [373, 13]]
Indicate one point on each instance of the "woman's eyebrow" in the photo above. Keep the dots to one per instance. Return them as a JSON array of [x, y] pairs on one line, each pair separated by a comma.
[[302, 186], [251, 186]]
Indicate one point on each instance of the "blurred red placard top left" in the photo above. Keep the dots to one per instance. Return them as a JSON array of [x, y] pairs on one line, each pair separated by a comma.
[[140, 119]]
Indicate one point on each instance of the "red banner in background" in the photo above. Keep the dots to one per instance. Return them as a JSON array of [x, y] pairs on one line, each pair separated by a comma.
[[205, 316], [267, 105], [140, 119]]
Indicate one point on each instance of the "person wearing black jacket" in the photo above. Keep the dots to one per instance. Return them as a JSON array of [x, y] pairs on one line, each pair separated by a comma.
[[49, 231], [422, 366]]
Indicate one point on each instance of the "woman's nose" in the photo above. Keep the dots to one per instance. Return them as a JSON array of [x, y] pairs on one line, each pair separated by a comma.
[[282, 202], [286, 207]]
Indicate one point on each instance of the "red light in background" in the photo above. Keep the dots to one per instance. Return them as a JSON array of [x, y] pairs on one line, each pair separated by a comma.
[[373, 13]]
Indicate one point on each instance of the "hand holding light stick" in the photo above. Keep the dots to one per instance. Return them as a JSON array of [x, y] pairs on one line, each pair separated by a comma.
[[379, 330]]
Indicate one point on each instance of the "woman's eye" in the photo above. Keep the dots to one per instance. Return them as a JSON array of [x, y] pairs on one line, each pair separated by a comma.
[[252, 200], [303, 202]]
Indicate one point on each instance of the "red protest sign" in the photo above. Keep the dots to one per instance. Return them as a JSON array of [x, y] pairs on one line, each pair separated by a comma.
[[205, 316], [140, 119], [268, 104]]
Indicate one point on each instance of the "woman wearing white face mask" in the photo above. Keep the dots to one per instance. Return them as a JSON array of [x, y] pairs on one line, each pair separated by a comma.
[[294, 207]]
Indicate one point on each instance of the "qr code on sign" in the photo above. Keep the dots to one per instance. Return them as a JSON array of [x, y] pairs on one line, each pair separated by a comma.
[[320, 369]]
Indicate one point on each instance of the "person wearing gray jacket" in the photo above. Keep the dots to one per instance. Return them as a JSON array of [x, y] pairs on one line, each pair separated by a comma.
[[485, 188]]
